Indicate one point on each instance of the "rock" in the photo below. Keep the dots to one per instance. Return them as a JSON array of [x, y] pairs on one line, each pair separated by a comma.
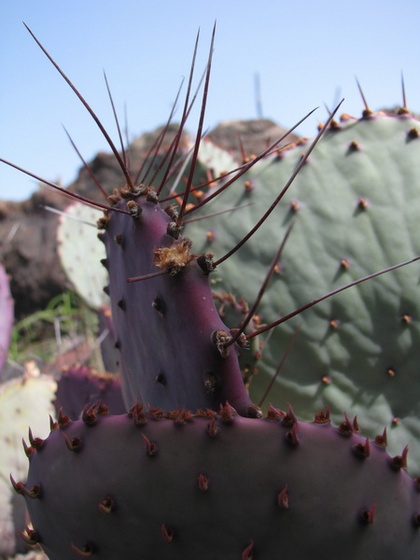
[[28, 250], [254, 135]]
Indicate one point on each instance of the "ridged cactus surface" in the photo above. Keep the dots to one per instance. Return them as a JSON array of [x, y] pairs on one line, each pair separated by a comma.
[[356, 207]]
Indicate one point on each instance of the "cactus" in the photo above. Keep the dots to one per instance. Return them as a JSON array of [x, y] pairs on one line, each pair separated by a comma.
[[78, 247], [24, 402], [109, 353], [355, 205], [185, 370], [183, 475], [6, 316], [78, 387], [217, 486]]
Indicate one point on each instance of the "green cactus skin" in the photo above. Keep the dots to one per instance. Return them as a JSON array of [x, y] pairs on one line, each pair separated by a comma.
[[356, 207], [24, 402], [80, 253]]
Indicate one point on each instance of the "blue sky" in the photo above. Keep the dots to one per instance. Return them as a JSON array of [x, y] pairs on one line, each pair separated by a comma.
[[306, 54]]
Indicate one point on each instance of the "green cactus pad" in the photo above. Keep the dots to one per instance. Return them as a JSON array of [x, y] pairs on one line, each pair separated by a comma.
[[80, 253], [215, 158], [24, 402], [356, 207]]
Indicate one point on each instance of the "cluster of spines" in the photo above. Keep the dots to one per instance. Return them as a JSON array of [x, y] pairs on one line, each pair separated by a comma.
[[226, 415]]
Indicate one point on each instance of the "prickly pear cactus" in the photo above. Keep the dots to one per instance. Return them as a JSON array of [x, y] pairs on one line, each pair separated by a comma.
[[80, 386], [178, 360], [193, 464], [194, 471], [6, 315], [24, 402], [356, 208], [80, 253], [217, 486], [109, 354], [213, 158]]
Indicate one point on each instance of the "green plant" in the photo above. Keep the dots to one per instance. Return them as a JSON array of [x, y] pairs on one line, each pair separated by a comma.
[[45, 333]]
